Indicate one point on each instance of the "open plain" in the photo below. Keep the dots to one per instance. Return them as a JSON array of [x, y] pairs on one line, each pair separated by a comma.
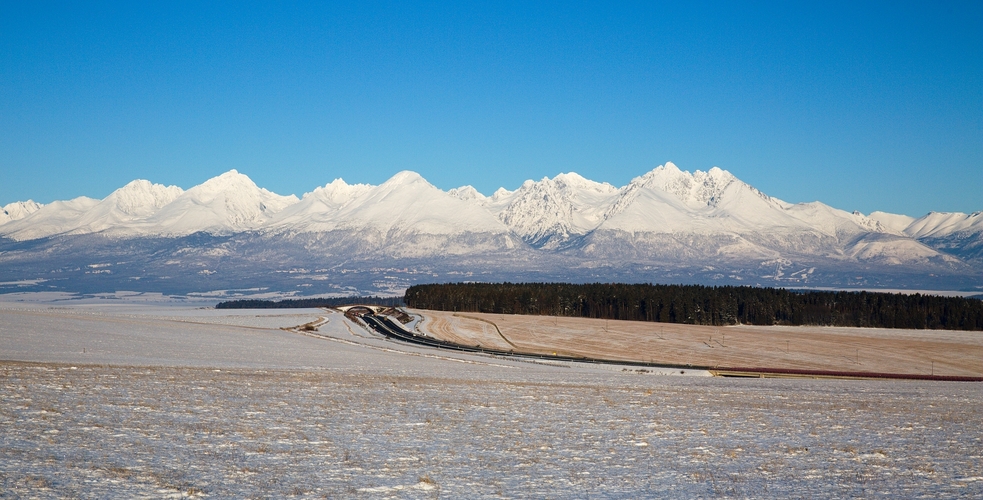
[[114, 399]]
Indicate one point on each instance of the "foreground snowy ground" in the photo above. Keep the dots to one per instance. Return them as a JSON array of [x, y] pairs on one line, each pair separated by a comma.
[[130, 400]]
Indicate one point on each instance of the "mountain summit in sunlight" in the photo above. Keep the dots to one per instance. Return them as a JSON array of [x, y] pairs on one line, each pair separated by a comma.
[[665, 225]]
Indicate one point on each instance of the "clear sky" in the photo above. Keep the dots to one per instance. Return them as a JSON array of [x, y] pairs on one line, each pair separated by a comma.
[[872, 107]]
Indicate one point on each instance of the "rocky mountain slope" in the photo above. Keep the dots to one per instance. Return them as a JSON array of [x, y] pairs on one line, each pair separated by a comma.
[[665, 224]]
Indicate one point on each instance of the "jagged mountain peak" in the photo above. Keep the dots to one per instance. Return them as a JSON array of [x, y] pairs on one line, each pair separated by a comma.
[[406, 185], [569, 184], [141, 197], [549, 212], [124, 209], [574, 181], [232, 187], [836, 222], [501, 193], [18, 210], [404, 206], [467, 193], [669, 200], [318, 210], [572, 178], [223, 204], [895, 222], [939, 224], [337, 185], [54, 218], [337, 192], [405, 177], [694, 189], [230, 181]]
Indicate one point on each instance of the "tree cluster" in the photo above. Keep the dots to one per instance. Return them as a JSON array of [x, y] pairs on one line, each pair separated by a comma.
[[704, 305]]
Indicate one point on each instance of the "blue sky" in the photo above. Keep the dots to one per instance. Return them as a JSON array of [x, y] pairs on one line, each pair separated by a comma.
[[877, 107]]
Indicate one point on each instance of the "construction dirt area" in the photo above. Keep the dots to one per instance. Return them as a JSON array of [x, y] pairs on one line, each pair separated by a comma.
[[839, 349]]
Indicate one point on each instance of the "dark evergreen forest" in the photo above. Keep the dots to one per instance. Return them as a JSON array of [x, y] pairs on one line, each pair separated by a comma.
[[308, 303], [703, 305]]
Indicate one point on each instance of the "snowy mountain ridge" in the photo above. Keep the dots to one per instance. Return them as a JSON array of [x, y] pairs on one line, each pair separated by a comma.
[[665, 216], [18, 210], [548, 213], [229, 203]]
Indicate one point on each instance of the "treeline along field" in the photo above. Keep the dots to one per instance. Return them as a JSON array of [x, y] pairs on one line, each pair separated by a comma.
[[703, 305]]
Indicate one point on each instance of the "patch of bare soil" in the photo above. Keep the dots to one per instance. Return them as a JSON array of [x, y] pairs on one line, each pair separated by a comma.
[[921, 352]]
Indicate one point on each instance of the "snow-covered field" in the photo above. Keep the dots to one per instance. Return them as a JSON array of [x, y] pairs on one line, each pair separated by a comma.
[[112, 398]]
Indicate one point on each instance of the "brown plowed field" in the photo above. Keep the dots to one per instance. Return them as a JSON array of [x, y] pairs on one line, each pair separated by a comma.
[[923, 352], [464, 329]]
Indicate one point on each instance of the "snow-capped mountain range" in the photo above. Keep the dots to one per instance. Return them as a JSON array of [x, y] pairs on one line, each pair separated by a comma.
[[663, 219]]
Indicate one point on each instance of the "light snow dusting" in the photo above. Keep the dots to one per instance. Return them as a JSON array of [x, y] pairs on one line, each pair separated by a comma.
[[120, 399]]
